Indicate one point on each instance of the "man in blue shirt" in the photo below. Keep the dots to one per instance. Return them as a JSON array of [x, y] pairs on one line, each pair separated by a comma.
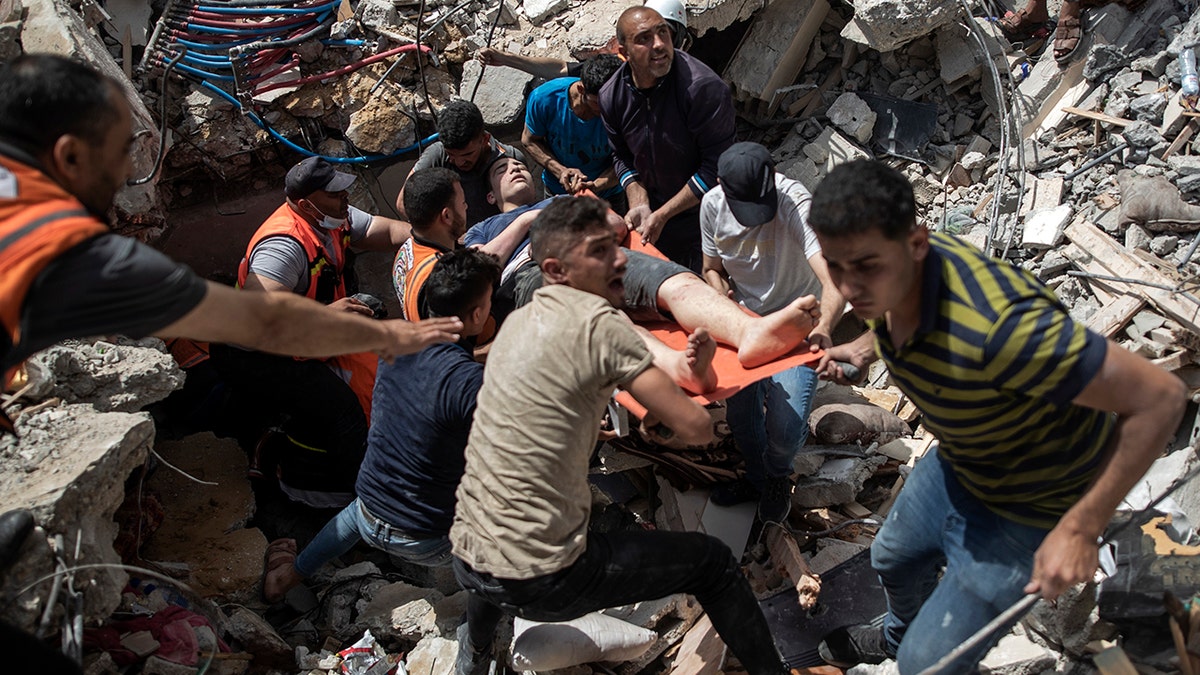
[[564, 133], [425, 403]]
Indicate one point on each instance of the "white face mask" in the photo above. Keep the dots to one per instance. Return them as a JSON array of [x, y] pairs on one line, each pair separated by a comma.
[[328, 222]]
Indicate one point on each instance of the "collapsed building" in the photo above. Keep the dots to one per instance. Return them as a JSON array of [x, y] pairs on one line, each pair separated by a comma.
[[1080, 173]]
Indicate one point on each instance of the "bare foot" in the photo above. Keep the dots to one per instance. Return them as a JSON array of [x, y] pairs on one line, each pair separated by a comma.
[[772, 336], [279, 571], [692, 368]]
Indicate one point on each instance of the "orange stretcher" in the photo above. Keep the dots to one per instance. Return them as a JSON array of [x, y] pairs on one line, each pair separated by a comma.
[[732, 377]]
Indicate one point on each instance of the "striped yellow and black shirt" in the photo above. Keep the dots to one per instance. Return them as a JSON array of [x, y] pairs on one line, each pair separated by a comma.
[[993, 367]]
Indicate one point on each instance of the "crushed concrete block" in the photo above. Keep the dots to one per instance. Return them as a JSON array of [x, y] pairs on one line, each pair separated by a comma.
[[958, 54], [376, 14], [1071, 622], [400, 611], [377, 128], [839, 480], [500, 95], [260, 639], [68, 466], [1125, 81], [540, 10], [432, 656], [1187, 37], [1016, 654], [973, 160], [1136, 237], [833, 552], [802, 169], [1044, 229], [120, 376], [1103, 60], [204, 526], [671, 616], [884, 25], [852, 115], [1149, 108], [1141, 135]]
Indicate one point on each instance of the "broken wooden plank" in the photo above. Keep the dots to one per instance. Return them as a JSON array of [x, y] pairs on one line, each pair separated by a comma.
[[787, 556], [1106, 256], [1114, 315], [1182, 139], [701, 652], [1098, 116]]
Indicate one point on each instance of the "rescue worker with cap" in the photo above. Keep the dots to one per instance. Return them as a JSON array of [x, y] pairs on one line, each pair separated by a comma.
[[301, 249]]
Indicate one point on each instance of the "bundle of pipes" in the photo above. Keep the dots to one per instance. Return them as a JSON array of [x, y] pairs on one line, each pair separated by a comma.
[[246, 43]]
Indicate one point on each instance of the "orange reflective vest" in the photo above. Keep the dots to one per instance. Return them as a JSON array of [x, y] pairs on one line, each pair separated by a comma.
[[39, 220], [325, 285], [410, 270], [325, 282]]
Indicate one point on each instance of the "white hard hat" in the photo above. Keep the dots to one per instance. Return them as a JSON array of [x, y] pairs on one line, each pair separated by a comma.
[[671, 10]]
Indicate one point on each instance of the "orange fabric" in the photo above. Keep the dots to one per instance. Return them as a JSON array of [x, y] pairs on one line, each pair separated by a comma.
[[285, 222], [187, 352], [732, 377], [39, 220], [360, 369], [419, 267]]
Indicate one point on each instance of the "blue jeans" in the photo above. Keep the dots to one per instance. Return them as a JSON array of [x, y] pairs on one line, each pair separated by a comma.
[[769, 422], [988, 560], [353, 525]]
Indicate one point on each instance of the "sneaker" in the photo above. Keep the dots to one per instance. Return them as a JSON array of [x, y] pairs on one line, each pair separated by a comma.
[[739, 491], [851, 645], [471, 661], [776, 501]]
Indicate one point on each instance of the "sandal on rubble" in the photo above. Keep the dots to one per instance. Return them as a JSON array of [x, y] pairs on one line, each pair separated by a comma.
[[1019, 27], [1067, 37], [279, 553]]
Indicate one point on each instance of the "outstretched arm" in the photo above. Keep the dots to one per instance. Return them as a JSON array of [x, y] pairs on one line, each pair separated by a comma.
[[286, 323], [1149, 403], [538, 66]]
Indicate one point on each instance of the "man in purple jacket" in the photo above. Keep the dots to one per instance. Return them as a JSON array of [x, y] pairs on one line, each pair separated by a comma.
[[668, 117]]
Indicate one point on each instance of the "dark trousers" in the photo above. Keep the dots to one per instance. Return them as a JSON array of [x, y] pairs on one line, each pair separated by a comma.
[[320, 409], [622, 568]]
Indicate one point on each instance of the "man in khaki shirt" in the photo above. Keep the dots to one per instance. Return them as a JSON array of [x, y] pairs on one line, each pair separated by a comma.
[[520, 535]]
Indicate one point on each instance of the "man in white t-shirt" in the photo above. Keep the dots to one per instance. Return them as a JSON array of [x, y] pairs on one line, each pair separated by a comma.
[[758, 248]]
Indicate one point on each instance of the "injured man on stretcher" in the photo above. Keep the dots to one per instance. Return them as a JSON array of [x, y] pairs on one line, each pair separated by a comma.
[[654, 290]]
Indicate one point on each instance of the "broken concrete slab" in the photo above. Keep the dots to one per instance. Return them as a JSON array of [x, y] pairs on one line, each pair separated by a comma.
[[1016, 654], [69, 467], [1072, 622], [958, 53], [772, 53], [885, 25], [119, 376], [1044, 229], [839, 480], [671, 617], [401, 611], [432, 656], [500, 94], [540, 10], [833, 552]]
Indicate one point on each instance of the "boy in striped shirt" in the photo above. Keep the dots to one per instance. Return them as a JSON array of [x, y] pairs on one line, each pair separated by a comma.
[[1043, 426]]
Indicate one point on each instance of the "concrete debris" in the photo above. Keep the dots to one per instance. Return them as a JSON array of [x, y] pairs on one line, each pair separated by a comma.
[[68, 467], [540, 10], [432, 656], [853, 116], [1071, 623], [119, 376], [403, 612], [838, 481], [500, 94], [1017, 655], [1044, 229], [257, 637], [884, 25]]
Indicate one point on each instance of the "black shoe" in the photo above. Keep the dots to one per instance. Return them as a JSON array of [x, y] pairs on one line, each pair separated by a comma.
[[851, 645], [731, 494], [776, 501], [471, 660]]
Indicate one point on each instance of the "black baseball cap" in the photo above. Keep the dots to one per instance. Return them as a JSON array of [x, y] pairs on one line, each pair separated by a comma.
[[747, 175], [312, 174]]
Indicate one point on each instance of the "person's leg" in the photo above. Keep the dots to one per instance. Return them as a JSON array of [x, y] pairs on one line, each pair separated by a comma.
[[691, 368], [988, 562], [693, 303], [339, 535], [480, 619], [621, 568], [744, 411], [788, 396]]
